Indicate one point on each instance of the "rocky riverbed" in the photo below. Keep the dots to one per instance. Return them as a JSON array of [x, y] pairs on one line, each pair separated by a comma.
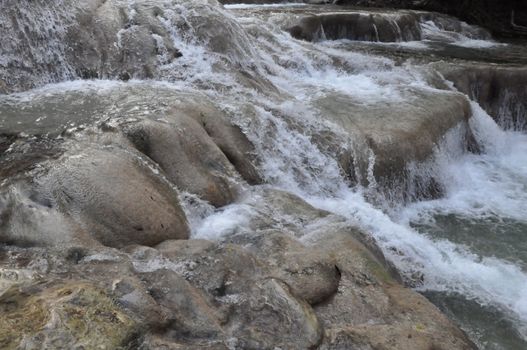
[[193, 175]]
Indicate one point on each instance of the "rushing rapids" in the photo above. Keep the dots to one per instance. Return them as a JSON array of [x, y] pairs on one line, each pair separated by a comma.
[[318, 157]]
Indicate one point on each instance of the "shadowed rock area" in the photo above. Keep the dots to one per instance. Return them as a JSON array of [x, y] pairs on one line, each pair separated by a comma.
[[505, 18]]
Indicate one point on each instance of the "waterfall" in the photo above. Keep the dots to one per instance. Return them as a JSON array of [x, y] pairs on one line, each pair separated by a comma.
[[325, 119]]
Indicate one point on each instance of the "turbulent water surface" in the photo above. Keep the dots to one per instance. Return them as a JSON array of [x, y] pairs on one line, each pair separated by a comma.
[[467, 250], [467, 247]]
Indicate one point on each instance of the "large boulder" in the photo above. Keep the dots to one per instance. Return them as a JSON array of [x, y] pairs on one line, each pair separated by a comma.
[[100, 164], [191, 160], [371, 310], [198, 146], [392, 135], [102, 194]]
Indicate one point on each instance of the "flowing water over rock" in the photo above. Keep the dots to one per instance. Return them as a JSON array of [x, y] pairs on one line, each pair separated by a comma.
[[317, 156]]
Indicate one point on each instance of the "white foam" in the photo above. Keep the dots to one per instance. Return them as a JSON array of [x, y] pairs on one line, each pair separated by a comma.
[[226, 221], [464, 38], [493, 184]]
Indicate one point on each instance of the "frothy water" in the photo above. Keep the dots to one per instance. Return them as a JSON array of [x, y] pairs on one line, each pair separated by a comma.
[[482, 188]]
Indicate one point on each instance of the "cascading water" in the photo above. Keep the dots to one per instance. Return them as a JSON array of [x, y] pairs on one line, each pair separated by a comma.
[[484, 192], [468, 243]]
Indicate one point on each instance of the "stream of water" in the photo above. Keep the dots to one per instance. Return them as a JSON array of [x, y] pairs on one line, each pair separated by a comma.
[[469, 247]]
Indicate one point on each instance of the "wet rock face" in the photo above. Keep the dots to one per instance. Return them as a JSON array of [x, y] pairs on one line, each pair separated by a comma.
[[500, 90], [398, 134], [109, 39], [113, 181], [388, 27], [260, 289], [86, 39]]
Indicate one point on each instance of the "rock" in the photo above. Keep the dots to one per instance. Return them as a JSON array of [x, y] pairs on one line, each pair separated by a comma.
[[187, 311], [63, 315], [310, 274], [158, 120], [231, 141], [116, 40], [105, 194], [396, 135], [273, 310], [375, 26], [501, 90], [155, 342], [88, 39], [257, 310], [252, 291], [371, 310], [504, 18], [191, 160], [134, 207]]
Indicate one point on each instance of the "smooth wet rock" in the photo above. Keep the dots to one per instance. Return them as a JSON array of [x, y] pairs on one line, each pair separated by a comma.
[[116, 198], [310, 274], [372, 310], [187, 311], [191, 160], [174, 127], [395, 135], [501, 90], [98, 194], [362, 26]]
